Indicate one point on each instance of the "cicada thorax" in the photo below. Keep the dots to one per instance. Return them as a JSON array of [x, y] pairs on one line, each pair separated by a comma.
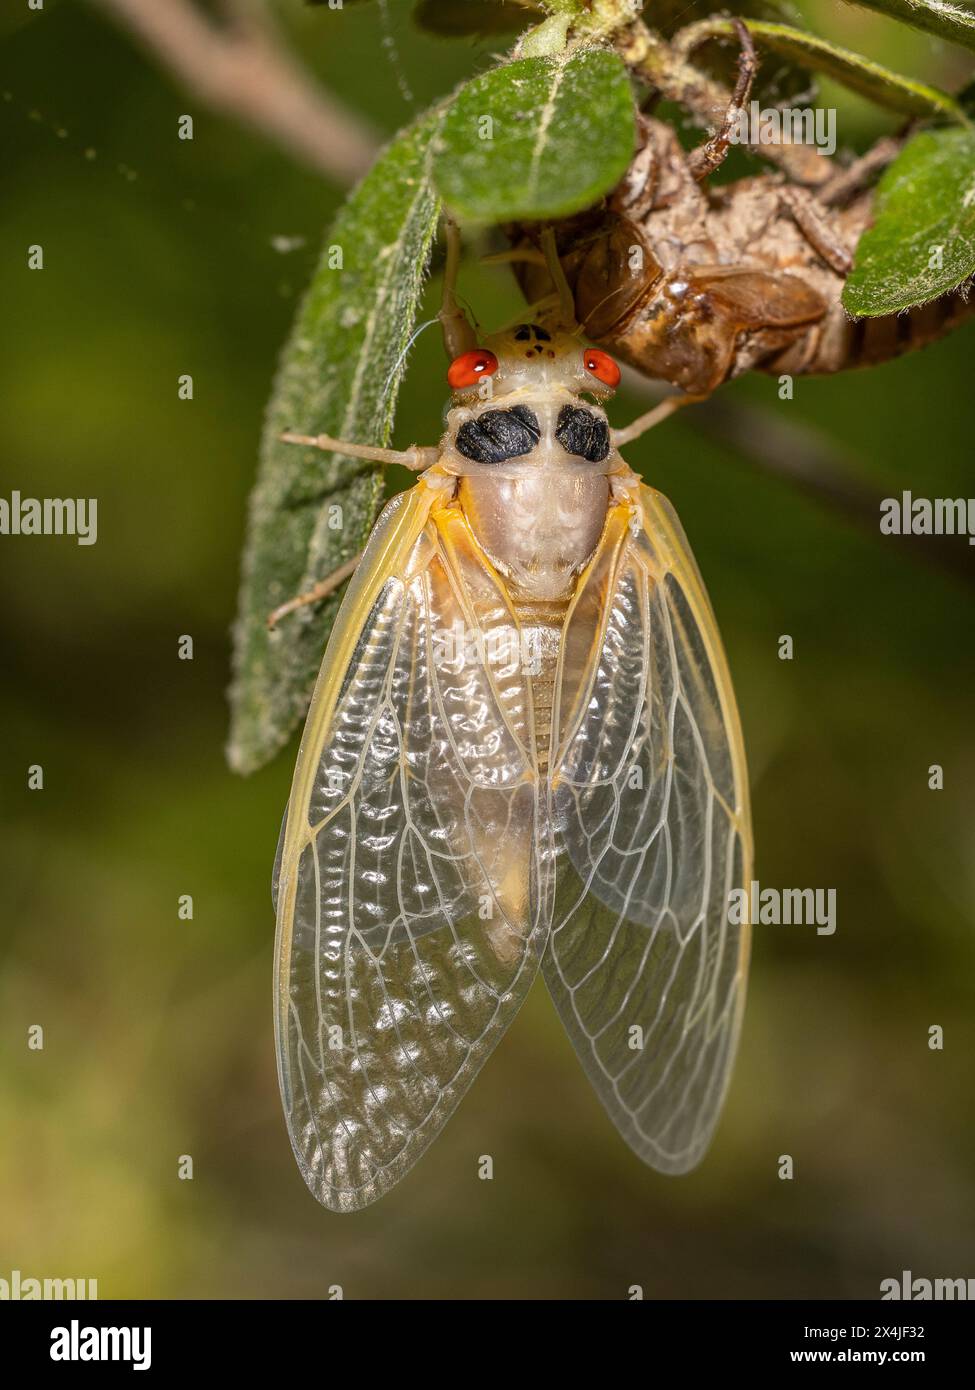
[[694, 286], [532, 454]]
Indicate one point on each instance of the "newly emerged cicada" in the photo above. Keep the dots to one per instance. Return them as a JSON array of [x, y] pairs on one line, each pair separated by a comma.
[[693, 283], [523, 753]]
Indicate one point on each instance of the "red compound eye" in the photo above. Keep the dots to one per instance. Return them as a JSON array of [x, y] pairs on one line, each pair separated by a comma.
[[470, 367], [602, 366]]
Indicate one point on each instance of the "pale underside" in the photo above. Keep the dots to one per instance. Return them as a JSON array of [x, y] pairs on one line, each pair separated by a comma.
[[431, 861]]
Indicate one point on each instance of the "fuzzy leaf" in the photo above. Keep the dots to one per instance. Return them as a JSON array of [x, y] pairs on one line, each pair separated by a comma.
[[339, 374], [945, 20], [872, 80], [541, 137], [925, 201]]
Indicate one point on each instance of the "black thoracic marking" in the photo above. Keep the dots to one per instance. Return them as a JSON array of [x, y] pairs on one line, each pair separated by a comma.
[[526, 331], [582, 433], [498, 435]]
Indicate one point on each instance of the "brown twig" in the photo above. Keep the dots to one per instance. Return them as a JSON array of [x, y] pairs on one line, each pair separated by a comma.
[[240, 68], [798, 455]]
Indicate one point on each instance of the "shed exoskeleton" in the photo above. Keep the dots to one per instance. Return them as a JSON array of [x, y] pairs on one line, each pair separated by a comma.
[[693, 283]]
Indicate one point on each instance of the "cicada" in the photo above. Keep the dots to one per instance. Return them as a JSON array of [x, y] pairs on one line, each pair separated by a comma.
[[695, 284], [523, 755]]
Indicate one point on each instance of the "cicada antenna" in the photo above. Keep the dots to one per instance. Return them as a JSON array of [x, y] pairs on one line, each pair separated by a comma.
[[458, 332], [403, 355]]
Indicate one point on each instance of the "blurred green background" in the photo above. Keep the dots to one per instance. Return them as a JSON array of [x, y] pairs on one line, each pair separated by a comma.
[[159, 261]]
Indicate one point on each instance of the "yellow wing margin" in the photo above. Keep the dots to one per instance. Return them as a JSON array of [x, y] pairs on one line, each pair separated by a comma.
[[662, 525], [386, 557], [650, 807], [409, 918]]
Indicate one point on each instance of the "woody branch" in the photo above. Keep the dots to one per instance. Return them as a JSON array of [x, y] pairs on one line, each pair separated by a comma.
[[239, 67]]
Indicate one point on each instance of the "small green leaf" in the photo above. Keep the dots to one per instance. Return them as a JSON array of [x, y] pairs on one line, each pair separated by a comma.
[[922, 243], [463, 18], [881, 85], [541, 137], [339, 375], [946, 21]]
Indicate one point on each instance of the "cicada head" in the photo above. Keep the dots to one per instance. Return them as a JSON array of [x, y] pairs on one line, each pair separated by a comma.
[[532, 360], [520, 407]]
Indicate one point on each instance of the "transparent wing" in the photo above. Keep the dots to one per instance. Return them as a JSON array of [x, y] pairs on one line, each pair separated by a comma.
[[652, 831], [410, 879]]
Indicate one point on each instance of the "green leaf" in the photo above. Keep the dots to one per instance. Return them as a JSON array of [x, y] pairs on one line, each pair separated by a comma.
[[463, 18], [881, 85], [339, 375], [925, 201], [538, 138], [955, 23]]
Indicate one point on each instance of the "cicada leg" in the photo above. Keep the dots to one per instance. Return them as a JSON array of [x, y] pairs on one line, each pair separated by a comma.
[[517, 253], [458, 334], [813, 221], [849, 182], [567, 304], [416, 457], [561, 296], [319, 591], [659, 413], [710, 156]]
